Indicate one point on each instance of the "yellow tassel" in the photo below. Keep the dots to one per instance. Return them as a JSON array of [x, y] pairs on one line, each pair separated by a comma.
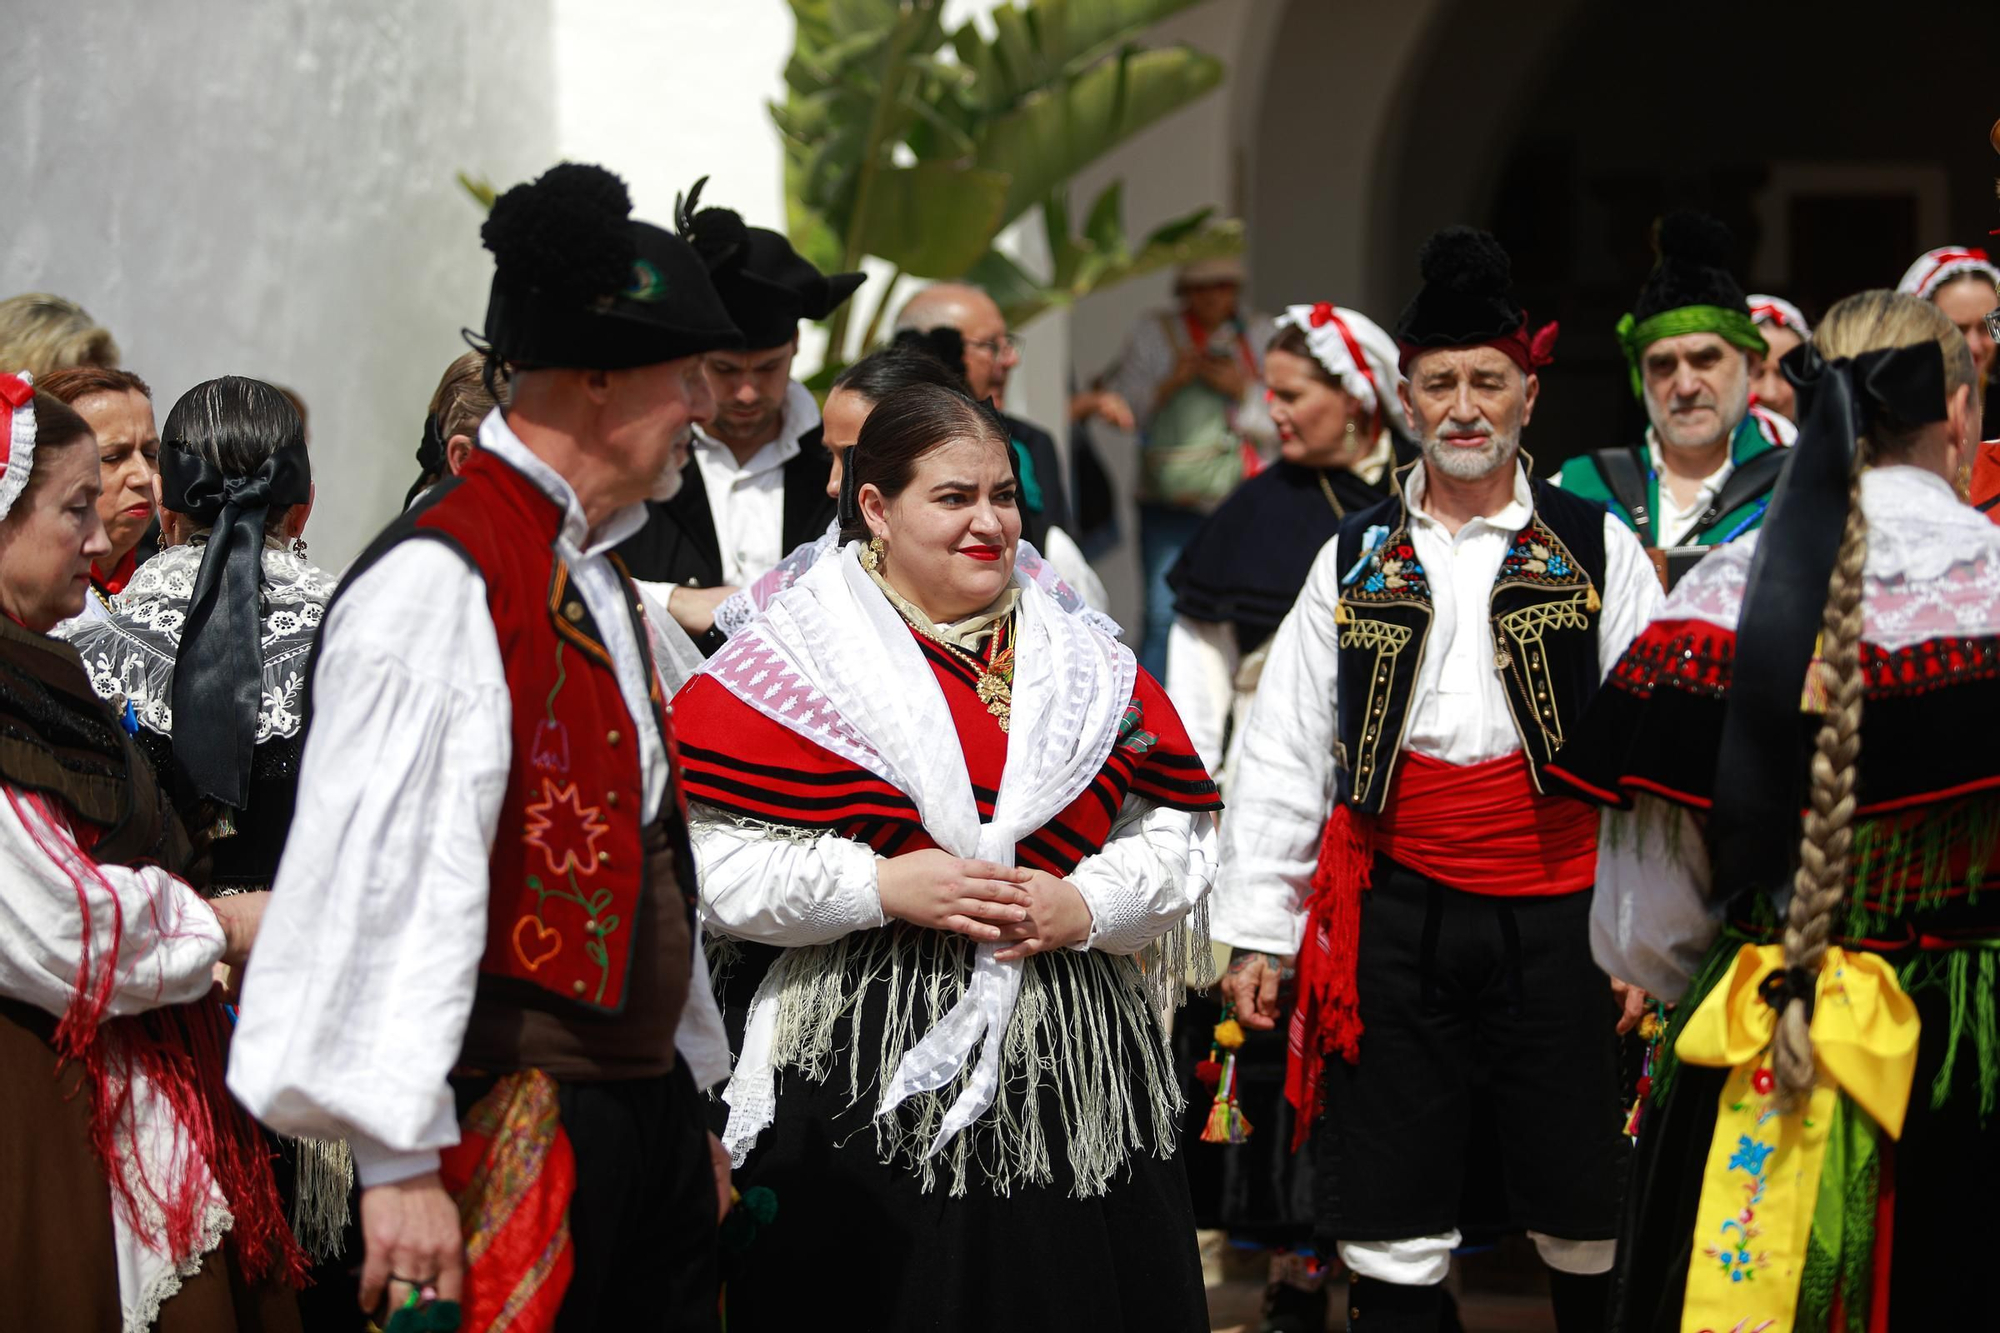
[[1229, 1034], [1817, 697], [1341, 614], [1591, 601]]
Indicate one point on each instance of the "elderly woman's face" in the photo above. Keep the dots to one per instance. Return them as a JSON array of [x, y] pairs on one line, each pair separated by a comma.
[[128, 454], [48, 541], [949, 538]]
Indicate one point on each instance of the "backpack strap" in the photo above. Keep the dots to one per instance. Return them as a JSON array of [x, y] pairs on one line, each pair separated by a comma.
[[1627, 483], [1752, 481]]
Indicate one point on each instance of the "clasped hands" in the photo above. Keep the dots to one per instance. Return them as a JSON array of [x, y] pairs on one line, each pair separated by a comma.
[[1027, 911]]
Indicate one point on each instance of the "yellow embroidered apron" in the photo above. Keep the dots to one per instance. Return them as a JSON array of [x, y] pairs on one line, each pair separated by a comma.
[[1762, 1177]]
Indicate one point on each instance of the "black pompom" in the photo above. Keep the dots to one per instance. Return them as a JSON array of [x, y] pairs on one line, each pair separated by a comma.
[[717, 234], [1693, 237], [568, 233], [1465, 260], [947, 345]]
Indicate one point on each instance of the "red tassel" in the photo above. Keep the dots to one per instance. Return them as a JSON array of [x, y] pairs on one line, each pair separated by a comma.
[[1327, 1015], [1208, 1073], [182, 1051]]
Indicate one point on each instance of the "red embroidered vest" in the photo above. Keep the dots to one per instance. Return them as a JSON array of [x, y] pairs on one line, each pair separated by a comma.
[[567, 866]]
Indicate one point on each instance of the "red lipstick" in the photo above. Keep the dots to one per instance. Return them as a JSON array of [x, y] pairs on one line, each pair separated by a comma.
[[987, 553]]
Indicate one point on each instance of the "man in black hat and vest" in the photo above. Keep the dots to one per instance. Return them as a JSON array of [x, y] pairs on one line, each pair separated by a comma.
[[756, 485], [1704, 472], [481, 967], [1438, 918]]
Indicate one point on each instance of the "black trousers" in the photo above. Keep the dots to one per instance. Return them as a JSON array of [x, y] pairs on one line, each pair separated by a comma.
[[1485, 1022], [643, 1217]]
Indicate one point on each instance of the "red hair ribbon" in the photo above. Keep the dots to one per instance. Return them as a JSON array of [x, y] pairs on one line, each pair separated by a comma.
[[1322, 314], [15, 390]]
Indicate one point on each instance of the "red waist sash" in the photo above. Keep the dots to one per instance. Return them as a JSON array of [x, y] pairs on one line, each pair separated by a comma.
[[1481, 828]]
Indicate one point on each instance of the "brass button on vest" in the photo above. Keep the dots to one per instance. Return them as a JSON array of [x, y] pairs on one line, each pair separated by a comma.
[[573, 611], [611, 737]]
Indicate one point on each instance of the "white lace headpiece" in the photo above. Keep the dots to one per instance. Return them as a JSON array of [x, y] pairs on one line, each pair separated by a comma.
[[1776, 312], [1354, 350], [1934, 268]]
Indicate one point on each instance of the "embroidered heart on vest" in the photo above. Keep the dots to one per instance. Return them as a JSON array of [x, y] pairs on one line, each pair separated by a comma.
[[547, 942]]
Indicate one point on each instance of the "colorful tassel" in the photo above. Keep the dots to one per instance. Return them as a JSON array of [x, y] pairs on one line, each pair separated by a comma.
[[1226, 1121]]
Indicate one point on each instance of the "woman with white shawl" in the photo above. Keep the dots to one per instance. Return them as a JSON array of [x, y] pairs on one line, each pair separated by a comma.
[[977, 832]]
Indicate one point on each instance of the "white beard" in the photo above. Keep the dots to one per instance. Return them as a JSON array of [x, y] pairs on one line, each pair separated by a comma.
[[1470, 464]]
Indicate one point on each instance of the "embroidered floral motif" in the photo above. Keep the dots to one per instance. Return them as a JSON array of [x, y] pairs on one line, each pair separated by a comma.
[[534, 942], [1396, 572], [1538, 556], [1734, 1249], [549, 750], [565, 829]]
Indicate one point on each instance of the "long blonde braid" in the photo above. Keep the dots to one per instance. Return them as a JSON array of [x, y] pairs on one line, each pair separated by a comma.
[[1861, 323], [1821, 881]]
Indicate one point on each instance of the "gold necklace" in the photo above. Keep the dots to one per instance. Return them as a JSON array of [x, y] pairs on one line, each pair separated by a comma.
[[1326, 489], [995, 686]]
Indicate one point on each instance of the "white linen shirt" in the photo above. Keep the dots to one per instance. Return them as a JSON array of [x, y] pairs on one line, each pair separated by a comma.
[[1674, 521], [1283, 775], [747, 500], [356, 1000]]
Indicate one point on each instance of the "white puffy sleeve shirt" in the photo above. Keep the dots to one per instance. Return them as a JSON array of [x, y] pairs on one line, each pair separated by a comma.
[[360, 985], [1282, 777], [164, 938], [790, 889]]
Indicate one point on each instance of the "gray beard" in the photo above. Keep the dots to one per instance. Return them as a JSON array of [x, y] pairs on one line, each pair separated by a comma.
[[1471, 465]]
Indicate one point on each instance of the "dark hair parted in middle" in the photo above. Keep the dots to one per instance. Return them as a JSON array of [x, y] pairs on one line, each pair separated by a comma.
[[910, 423], [234, 423]]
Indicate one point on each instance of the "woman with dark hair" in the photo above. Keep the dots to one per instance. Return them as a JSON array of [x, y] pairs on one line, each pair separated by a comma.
[[138, 1192], [1819, 1106], [118, 407], [205, 653], [855, 392], [975, 830]]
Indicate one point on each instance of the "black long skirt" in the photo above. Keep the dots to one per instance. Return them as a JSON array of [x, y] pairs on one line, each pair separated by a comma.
[[860, 1238]]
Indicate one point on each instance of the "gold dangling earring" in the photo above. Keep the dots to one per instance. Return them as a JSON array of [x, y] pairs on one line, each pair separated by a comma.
[[871, 554], [1352, 430]]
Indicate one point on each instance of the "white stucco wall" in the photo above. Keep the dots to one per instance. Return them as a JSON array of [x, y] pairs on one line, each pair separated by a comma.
[[267, 189]]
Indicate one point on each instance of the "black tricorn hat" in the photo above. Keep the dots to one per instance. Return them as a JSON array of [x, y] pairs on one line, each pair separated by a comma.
[[767, 286], [1467, 297], [578, 284], [1693, 267]]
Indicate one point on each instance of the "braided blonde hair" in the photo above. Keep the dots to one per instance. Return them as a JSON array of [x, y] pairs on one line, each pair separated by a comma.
[[1865, 322]]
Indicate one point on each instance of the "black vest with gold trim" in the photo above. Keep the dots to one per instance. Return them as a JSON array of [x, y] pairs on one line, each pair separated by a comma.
[[1544, 609]]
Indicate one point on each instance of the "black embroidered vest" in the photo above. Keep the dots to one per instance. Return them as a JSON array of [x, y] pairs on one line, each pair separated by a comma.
[[1544, 608]]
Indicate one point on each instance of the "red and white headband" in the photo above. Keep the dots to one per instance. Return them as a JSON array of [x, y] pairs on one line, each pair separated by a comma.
[[17, 406], [1354, 350], [1934, 268], [1777, 312]]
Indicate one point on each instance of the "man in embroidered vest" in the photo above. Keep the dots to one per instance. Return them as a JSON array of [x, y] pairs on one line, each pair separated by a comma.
[[1709, 460], [480, 956], [756, 485], [1445, 642]]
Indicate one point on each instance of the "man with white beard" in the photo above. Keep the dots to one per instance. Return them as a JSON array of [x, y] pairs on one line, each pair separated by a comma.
[[1704, 473], [1445, 642]]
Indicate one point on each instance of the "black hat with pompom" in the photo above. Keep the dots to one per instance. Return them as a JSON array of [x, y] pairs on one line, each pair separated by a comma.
[[1690, 290], [1692, 267], [767, 286], [1467, 300], [577, 283]]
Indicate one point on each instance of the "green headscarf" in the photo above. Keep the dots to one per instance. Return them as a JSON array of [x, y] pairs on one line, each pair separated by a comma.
[[1732, 326]]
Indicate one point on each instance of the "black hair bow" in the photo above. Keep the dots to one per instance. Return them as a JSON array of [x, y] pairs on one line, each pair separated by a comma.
[[218, 674]]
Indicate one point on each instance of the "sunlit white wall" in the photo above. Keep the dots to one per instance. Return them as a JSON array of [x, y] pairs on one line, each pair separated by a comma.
[[267, 189]]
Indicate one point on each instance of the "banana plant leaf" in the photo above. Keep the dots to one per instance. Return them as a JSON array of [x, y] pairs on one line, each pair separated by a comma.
[[1055, 133], [932, 220], [1037, 47]]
